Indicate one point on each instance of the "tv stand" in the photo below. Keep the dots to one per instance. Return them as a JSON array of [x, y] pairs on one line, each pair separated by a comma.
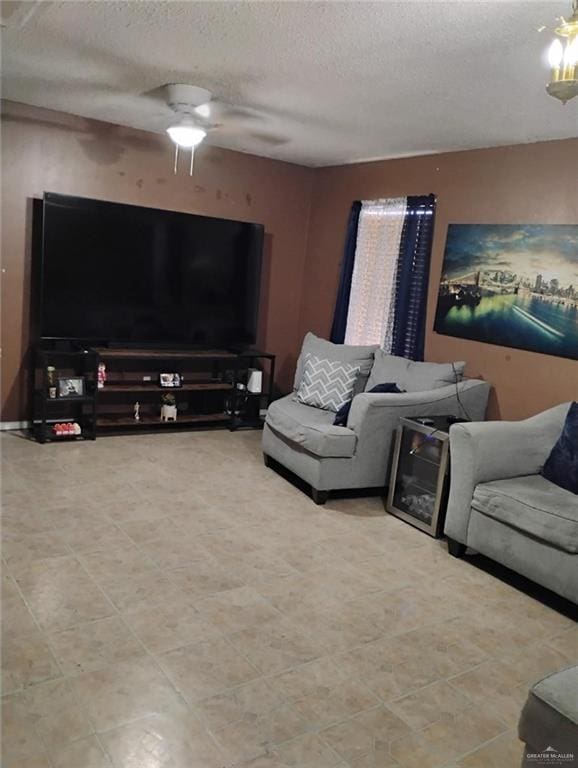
[[213, 393]]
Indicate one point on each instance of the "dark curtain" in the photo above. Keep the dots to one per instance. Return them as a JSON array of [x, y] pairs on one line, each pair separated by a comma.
[[342, 304], [412, 278]]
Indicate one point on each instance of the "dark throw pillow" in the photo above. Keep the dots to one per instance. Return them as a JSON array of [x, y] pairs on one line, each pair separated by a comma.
[[343, 412], [561, 467]]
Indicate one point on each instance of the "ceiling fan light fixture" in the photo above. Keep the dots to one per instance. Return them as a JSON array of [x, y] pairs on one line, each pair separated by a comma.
[[203, 110], [571, 53], [563, 59], [186, 136], [555, 54]]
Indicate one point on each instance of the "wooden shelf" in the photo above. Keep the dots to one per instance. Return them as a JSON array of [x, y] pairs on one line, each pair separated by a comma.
[[85, 352], [150, 387], [248, 422], [189, 354], [110, 409], [146, 421], [75, 399], [51, 410]]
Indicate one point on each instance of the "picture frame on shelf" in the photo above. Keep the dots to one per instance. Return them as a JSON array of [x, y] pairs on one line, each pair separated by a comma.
[[70, 387], [170, 380]]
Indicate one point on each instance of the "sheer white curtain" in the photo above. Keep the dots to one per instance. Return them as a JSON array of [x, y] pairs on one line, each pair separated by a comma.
[[370, 316]]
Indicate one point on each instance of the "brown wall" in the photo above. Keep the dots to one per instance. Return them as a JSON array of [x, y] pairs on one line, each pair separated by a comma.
[[304, 212], [50, 151], [534, 183]]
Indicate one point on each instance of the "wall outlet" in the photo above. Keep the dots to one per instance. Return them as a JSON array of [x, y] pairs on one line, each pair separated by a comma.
[[147, 378]]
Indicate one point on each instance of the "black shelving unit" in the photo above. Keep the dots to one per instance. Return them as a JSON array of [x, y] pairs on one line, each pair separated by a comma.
[[47, 410], [213, 394], [209, 397], [254, 402]]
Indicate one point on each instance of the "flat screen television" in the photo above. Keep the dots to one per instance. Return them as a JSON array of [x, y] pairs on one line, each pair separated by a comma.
[[125, 274]]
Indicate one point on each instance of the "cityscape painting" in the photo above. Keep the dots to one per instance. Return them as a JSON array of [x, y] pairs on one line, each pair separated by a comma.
[[513, 285]]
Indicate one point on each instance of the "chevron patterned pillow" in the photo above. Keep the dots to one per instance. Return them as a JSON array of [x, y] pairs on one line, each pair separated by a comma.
[[326, 384]]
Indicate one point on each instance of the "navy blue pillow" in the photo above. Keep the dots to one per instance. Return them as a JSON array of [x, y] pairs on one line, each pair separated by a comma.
[[561, 466], [343, 412]]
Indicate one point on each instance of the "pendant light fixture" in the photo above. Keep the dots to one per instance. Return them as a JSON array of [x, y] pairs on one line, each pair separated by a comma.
[[563, 59], [186, 135], [190, 103]]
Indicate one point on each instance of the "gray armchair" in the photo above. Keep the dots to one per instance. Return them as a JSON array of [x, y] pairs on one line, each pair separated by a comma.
[[304, 440], [500, 505]]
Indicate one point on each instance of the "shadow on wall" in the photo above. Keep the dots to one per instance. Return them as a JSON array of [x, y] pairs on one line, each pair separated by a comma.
[[284, 372], [22, 384], [265, 290], [101, 143], [493, 411]]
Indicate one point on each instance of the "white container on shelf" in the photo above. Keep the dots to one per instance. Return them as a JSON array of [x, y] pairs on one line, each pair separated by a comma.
[[168, 412], [255, 381]]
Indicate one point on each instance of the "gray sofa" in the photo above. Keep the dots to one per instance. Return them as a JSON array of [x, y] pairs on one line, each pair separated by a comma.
[[304, 440], [549, 720], [500, 506]]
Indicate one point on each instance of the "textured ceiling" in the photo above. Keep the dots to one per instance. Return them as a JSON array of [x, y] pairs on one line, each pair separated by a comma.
[[326, 82]]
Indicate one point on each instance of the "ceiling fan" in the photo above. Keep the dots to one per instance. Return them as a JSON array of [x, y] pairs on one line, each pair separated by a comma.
[[191, 107], [197, 114]]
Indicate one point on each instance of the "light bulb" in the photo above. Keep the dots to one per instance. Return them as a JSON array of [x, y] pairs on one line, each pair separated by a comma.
[[186, 136], [203, 110], [555, 54], [571, 53]]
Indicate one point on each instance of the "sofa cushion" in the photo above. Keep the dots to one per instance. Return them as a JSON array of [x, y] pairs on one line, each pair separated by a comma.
[[561, 466], [387, 368], [326, 384], [533, 505], [422, 377], [343, 353], [310, 428], [413, 376]]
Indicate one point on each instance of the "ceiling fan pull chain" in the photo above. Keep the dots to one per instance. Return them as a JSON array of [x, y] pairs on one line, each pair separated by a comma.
[[192, 157], [176, 159]]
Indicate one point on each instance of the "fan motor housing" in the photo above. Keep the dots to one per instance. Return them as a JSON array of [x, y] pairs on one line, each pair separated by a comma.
[[184, 98]]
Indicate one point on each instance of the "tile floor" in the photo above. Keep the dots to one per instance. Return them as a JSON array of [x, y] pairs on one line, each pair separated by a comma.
[[170, 603]]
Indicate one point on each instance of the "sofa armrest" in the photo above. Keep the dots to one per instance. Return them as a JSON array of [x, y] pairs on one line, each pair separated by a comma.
[[368, 406], [374, 417], [496, 450]]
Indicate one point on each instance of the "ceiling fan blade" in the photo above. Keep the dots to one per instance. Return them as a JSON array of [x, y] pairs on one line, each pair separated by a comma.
[[221, 111], [239, 128], [273, 139], [9, 117]]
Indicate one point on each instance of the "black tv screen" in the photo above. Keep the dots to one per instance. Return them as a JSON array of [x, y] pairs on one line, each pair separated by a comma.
[[118, 273]]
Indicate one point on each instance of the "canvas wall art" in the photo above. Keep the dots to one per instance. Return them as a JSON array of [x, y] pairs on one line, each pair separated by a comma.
[[513, 285]]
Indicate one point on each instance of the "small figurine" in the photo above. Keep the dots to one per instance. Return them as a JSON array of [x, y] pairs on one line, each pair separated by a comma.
[[137, 411], [101, 376], [51, 378]]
